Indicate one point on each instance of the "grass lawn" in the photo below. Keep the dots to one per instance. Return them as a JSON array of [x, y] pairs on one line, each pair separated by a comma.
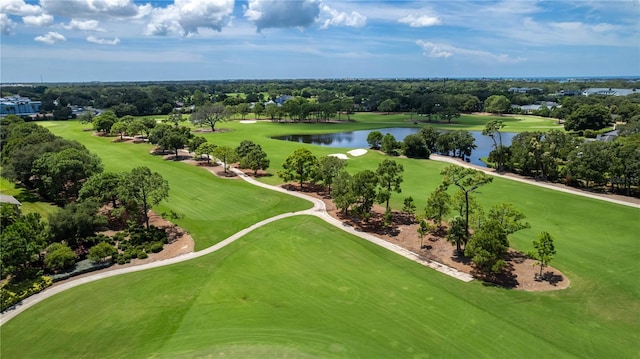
[[212, 208], [30, 204], [300, 288]]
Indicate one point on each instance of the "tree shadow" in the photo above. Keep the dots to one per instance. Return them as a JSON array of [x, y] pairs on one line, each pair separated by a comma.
[[549, 277]]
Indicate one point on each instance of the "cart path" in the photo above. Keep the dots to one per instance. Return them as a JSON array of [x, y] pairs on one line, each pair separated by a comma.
[[630, 202], [318, 210]]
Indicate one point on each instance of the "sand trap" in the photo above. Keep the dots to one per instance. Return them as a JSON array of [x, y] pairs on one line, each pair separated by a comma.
[[341, 156], [248, 121], [358, 152]]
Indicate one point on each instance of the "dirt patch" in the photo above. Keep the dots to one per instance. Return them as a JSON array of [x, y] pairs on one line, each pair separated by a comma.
[[521, 273]]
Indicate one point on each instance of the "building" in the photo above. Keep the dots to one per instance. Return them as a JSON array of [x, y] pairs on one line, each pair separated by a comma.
[[19, 106], [608, 91], [524, 89]]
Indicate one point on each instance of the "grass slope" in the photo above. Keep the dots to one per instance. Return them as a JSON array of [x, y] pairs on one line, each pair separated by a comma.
[[30, 204], [258, 298], [299, 288], [212, 208]]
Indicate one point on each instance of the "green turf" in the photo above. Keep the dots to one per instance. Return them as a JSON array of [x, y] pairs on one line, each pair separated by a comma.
[[29, 203], [300, 288], [212, 208]]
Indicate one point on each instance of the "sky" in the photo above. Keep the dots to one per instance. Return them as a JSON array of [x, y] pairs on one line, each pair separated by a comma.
[[177, 40]]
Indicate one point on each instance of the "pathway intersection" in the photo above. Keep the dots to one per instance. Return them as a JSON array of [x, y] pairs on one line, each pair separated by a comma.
[[318, 210]]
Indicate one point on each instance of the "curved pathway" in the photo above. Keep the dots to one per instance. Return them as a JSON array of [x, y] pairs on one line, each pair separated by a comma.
[[318, 210]]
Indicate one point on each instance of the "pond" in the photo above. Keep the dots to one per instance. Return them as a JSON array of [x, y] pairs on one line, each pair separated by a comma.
[[358, 139]]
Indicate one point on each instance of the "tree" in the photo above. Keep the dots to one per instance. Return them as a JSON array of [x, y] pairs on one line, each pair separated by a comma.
[[59, 256], [103, 187], [544, 251], [409, 207], [272, 110], [75, 223], [387, 106], [487, 248], [364, 185], [430, 136], [207, 149], [209, 115], [457, 233], [492, 129], [438, 205], [328, 169], [101, 251], [509, 218], [195, 142], [258, 109], [255, 160], [61, 175], [145, 189], [298, 166], [226, 154], [497, 104], [104, 121], [119, 128], [389, 174], [588, 117], [389, 144], [174, 118], [245, 147], [591, 162], [342, 192], [423, 229], [21, 242], [243, 109], [414, 146], [468, 181], [374, 139]]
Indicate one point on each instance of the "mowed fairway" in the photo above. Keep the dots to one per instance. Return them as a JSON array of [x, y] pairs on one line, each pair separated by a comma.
[[212, 208], [300, 288]]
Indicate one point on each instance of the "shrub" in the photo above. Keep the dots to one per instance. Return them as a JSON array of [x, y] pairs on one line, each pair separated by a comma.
[[101, 251], [59, 256], [11, 294], [155, 247], [142, 255]]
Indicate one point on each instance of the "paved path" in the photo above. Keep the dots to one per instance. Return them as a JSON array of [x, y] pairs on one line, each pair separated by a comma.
[[631, 202], [318, 209]]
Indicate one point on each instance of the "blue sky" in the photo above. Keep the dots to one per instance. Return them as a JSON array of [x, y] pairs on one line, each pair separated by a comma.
[[124, 40]]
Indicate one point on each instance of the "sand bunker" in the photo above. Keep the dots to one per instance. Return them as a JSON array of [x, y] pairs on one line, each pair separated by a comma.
[[357, 152], [248, 121], [341, 156]]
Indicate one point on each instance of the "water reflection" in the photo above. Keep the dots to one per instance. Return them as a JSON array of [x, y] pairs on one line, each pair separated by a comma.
[[358, 139]]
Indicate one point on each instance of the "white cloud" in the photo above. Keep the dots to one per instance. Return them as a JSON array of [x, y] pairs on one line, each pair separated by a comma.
[[120, 9], [97, 40], [19, 8], [434, 50], [186, 16], [38, 20], [86, 25], [266, 14], [50, 38], [339, 18], [419, 20], [6, 25]]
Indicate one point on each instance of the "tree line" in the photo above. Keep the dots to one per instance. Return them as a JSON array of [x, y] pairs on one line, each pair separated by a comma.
[[64, 172], [478, 235]]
